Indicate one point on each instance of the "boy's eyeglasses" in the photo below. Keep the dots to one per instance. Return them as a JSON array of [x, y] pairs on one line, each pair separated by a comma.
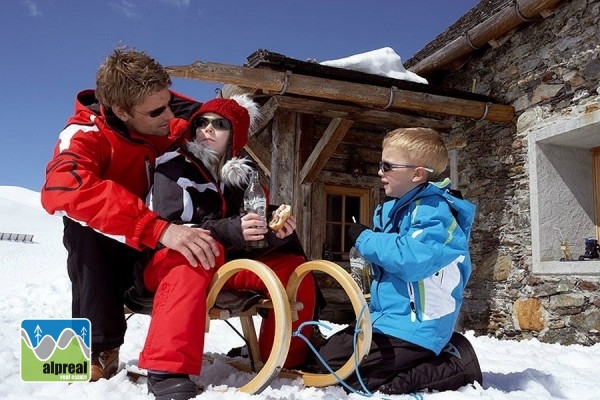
[[386, 166], [221, 124]]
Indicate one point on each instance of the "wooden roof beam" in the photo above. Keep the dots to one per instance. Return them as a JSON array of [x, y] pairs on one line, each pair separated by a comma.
[[357, 114], [340, 91], [332, 136]]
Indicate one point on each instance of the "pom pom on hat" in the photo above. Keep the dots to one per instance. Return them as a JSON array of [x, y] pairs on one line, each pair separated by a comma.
[[240, 110]]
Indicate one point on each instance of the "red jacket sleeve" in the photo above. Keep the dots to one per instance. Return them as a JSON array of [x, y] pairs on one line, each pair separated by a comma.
[[79, 185]]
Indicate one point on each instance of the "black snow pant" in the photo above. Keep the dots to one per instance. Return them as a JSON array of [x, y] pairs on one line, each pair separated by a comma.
[[394, 366], [100, 270]]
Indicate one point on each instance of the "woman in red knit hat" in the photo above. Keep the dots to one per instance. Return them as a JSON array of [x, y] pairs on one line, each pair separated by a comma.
[[203, 184]]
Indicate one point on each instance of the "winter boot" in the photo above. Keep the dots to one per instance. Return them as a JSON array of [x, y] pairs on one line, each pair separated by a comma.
[[166, 386], [454, 367], [460, 347], [104, 364]]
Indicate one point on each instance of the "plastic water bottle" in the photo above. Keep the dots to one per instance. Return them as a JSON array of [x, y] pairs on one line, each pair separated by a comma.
[[360, 270], [255, 201]]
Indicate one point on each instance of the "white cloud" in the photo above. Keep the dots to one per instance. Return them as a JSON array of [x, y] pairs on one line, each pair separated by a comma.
[[129, 8], [32, 8], [125, 7], [177, 3]]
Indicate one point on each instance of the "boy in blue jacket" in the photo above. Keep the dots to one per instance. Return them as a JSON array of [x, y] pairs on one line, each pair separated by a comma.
[[419, 251]]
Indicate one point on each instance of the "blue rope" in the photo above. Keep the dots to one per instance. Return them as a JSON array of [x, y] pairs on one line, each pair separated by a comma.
[[357, 330], [315, 351], [356, 360]]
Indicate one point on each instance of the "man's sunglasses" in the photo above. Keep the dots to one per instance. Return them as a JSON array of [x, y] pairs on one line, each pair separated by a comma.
[[386, 166], [157, 112], [220, 124]]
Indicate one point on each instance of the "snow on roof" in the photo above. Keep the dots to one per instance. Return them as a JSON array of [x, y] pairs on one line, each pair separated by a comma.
[[384, 62]]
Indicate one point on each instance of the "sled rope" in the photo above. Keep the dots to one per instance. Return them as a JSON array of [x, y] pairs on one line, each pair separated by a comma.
[[357, 331], [316, 352]]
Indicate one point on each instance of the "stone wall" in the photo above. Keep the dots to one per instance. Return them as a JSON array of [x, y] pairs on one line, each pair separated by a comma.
[[549, 65]]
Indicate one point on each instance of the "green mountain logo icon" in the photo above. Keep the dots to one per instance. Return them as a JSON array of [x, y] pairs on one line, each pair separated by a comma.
[[44, 359]]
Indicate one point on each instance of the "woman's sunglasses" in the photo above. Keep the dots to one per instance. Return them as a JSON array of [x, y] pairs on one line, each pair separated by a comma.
[[220, 124], [386, 166]]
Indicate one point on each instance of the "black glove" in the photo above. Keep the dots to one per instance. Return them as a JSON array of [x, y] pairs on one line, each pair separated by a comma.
[[354, 231]]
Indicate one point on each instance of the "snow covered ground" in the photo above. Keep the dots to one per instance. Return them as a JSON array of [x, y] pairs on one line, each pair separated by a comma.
[[35, 286]]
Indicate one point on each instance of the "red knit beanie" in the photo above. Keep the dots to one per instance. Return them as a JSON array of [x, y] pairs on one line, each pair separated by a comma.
[[237, 114]]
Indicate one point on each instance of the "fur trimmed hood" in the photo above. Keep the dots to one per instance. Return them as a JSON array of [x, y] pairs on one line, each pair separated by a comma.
[[234, 172]]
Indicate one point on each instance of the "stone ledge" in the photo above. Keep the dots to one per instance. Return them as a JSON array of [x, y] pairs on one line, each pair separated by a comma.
[[571, 268]]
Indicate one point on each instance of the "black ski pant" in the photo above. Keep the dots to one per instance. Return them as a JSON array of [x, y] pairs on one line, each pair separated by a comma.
[[100, 270], [392, 365]]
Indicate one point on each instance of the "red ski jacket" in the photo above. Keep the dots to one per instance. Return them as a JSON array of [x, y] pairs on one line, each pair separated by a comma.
[[100, 172]]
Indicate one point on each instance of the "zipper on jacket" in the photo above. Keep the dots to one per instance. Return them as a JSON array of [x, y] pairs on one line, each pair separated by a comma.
[[413, 307], [149, 173]]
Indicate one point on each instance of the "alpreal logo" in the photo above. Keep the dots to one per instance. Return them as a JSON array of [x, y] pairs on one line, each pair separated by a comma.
[[55, 350]]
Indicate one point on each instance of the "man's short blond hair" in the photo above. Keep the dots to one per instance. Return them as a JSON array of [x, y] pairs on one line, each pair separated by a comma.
[[126, 76], [423, 147]]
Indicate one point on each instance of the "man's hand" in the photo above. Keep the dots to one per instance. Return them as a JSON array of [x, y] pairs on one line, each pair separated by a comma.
[[196, 244]]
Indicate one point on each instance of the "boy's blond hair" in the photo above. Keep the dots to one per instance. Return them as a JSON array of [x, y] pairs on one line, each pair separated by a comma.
[[423, 147], [126, 76]]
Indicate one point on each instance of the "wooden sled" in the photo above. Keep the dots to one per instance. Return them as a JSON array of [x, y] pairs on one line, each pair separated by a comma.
[[283, 302]]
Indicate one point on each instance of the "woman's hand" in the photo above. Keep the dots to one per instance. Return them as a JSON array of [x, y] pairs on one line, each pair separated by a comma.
[[288, 228], [253, 227]]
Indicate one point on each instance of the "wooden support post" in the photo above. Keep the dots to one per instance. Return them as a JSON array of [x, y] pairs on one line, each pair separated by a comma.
[[283, 158]]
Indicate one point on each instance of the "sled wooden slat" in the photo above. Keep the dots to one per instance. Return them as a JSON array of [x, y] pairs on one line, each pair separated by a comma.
[[295, 306], [223, 313], [219, 313]]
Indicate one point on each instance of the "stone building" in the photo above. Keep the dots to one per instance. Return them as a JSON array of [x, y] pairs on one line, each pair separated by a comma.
[[536, 179], [514, 87]]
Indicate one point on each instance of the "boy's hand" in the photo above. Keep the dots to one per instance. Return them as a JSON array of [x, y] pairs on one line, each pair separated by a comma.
[[355, 231]]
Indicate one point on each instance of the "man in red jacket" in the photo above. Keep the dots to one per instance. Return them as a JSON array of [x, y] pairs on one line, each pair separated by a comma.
[[98, 179]]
